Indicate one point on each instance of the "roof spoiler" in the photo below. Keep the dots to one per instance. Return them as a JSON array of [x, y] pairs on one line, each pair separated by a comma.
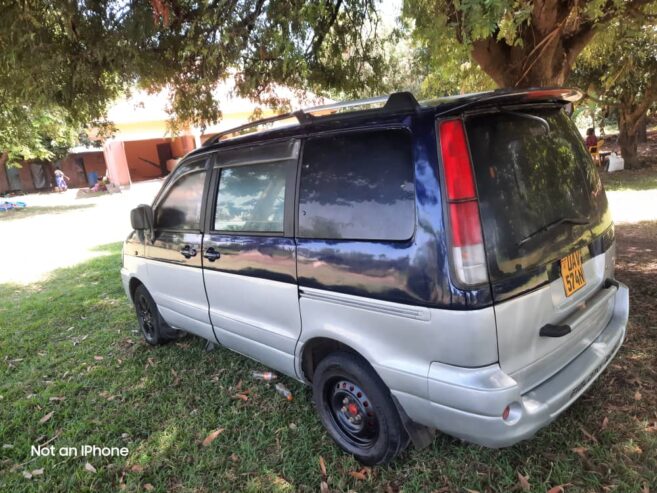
[[510, 96]]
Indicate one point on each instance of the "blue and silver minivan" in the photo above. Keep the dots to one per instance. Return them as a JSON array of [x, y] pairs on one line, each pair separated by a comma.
[[445, 265]]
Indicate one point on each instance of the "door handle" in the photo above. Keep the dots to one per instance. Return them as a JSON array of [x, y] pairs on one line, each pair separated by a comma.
[[211, 254], [188, 252]]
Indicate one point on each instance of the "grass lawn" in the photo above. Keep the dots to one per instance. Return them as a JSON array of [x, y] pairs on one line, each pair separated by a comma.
[[74, 372], [21, 213]]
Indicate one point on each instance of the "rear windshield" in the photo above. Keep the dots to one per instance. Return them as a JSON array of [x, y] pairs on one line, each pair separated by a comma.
[[536, 185]]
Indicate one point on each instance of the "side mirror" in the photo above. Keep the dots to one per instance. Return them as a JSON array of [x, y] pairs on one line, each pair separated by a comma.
[[141, 218]]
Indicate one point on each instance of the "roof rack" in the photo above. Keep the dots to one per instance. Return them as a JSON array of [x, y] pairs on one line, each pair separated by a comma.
[[398, 101]]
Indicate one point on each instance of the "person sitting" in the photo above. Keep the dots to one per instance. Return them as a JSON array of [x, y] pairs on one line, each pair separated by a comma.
[[591, 139]]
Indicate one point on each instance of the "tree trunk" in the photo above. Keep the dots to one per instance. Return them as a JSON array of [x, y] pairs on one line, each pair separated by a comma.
[[642, 132], [628, 138], [549, 45]]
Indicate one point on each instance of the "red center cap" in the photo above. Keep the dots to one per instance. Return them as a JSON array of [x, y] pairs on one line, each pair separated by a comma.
[[352, 408]]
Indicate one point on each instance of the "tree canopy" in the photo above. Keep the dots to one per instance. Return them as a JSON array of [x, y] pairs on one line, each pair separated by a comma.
[[619, 72], [520, 43]]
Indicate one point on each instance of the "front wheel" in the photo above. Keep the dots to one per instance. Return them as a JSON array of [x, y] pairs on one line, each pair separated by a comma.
[[357, 409], [153, 327]]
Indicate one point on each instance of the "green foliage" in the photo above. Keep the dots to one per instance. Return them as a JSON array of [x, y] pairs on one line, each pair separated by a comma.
[[27, 134], [519, 43], [78, 56]]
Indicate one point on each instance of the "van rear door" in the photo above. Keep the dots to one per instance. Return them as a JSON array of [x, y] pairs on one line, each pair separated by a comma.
[[546, 227]]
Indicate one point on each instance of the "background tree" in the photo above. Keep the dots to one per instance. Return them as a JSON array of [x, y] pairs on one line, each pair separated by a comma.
[[521, 43], [78, 56], [619, 72]]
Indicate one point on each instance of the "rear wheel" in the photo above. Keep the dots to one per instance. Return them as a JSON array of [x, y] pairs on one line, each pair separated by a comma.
[[356, 408], [153, 327]]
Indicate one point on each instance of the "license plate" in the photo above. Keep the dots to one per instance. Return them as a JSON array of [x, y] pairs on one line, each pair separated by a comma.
[[572, 272]]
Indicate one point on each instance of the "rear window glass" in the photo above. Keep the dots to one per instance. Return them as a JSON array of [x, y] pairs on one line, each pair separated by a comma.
[[358, 186], [529, 177]]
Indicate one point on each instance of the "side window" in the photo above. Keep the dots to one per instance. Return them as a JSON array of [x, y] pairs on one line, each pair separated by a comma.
[[255, 191], [181, 206], [251, 198], [358, 186]]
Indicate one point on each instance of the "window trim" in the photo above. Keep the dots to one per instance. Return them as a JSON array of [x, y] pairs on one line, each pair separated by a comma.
[[169, 183], [290, 187], [354, 130]]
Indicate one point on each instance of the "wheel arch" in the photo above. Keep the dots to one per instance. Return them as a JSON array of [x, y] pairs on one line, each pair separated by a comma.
[[316, 349], [133, 284]]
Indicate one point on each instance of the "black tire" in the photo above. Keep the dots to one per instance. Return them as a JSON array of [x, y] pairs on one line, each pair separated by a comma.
[[356, 408], [153, 327]]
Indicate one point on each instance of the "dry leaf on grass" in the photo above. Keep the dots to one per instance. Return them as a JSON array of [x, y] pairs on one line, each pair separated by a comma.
[[605, 423], [444, 489], [27, 474], [323, 487], [99, 358], [212, 436], [234, 458], [322, 467], [37, 472], [637, 396], [560, 488], [88, 467], [359, 475], [588, 435], [46, 417], [240, 397], [136, 468], [149, 487], [523, 481], [56, 399], [581, 451]]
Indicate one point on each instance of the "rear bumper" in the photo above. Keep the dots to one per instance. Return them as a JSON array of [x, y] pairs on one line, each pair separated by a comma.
[[468, 402]]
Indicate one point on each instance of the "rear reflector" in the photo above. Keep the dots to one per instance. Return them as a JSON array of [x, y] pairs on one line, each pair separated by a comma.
[[467, 247]]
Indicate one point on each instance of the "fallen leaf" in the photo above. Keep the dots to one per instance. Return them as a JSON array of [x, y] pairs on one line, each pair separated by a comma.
[[88, 467], [524, 482], [212, 436], [323, 487], [322, 467], [234, 458], [581, 451], [56, 399], [588, 435], [46, 417], [176, 378], [444, 489], [27, 474], [293, 426], [137, 468], [560, 488], [605, 423], [240, 397], [37, 472], [637, 396], [149, 487], [99, 358], [7, 446], [359, 475]]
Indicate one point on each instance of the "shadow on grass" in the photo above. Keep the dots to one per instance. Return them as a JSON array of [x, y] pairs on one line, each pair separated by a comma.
[[31, 211], [70, 346]]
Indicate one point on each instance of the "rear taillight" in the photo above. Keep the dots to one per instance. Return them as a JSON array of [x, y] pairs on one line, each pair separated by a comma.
[[467, 246]]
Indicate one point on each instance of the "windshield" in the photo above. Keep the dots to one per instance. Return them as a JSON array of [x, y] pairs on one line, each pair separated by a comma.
[[536, 185]]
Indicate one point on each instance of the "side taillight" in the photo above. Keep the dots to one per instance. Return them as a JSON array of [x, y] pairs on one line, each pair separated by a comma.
[[467, 246]]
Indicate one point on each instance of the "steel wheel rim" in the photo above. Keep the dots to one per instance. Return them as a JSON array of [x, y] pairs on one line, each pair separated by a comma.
[[146, 316], [352, 412]]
